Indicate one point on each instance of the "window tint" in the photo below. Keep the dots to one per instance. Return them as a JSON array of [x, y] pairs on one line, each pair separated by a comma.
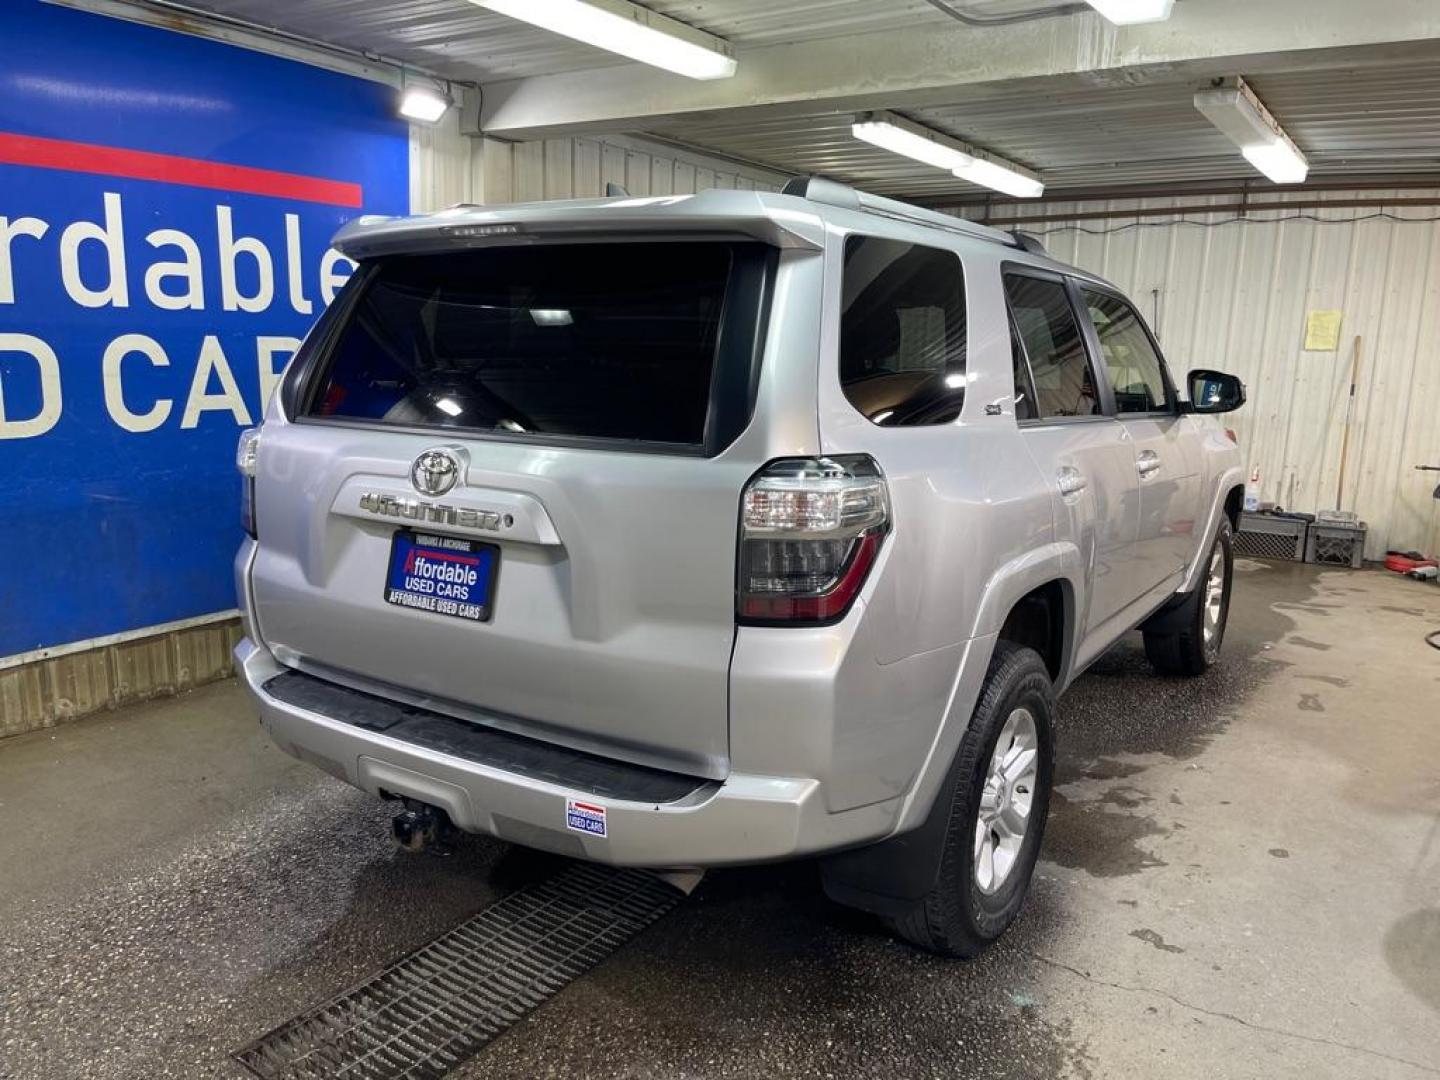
[[1061, 371], [902, 332], [1130, 358], [1024, 387], [594, 340]]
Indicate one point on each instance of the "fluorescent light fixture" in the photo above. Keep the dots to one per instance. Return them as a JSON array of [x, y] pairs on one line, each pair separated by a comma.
[[423, 103], [908, 141], [551, 316], [1279, 161], [1006, 179], [1243, 119], [1127, 12], [448, 407], [627, 29], [898, 135]]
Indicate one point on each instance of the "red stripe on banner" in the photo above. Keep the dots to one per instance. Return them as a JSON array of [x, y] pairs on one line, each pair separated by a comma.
[[169, 169], [470, 559]]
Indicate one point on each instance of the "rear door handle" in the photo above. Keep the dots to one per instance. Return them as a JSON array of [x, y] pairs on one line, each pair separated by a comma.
[[1148, 463], [1071, 481]]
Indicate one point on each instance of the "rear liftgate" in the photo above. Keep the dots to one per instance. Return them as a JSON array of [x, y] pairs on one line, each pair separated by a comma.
[[427, 1013]]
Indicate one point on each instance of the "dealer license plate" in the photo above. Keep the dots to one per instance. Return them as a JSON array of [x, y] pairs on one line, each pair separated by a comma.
[[448, 575]]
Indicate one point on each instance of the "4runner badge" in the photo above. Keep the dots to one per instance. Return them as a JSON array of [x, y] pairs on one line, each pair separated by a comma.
[[396, 506]]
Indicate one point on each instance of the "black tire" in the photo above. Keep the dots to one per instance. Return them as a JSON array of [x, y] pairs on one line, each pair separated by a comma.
[[1177, 644], [957, 917]]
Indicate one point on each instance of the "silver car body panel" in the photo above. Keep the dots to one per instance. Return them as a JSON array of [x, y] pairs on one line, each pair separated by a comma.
[[615, 631]]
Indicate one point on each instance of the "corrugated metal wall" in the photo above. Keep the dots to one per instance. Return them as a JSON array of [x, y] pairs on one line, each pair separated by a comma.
[[447, 167], [1234, 294], [581, 167]]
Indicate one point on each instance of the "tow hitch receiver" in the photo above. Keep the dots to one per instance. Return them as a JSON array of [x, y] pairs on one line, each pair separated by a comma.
[[420, 827]]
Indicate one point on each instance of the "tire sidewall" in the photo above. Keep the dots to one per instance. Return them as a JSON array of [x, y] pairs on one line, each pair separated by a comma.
[[1210, 653], [991, 913]]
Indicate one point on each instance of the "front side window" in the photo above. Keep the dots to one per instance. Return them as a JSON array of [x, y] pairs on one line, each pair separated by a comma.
[[1058, 364], [1130, 358], [902, 332], [613, 341]]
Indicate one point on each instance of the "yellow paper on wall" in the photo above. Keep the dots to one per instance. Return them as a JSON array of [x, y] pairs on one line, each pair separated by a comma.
[[1322, 331]]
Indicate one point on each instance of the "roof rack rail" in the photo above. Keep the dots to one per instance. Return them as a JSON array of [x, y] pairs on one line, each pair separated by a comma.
[[1029, 242], [819, 189]]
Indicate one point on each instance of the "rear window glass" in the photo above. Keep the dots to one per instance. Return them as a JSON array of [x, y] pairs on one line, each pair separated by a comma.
[[1054, 345], [614, 341], [902, 332]]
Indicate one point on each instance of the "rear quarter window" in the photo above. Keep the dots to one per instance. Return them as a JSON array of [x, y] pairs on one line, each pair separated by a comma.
[[902, 332]]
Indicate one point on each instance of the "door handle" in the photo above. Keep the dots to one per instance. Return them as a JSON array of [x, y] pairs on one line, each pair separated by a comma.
[[1148, 463], [1070, 481]]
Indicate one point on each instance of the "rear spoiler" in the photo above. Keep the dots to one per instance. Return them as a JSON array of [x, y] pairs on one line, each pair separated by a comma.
[[751, 214]]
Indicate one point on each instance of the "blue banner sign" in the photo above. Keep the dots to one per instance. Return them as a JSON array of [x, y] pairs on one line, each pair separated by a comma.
[[166, 207]]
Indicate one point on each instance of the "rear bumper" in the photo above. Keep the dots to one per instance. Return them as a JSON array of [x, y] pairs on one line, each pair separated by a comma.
[[746, 818]]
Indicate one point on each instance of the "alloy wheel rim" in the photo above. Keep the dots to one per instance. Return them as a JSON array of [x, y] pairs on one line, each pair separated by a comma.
[[1214, 596], [1006, 801]]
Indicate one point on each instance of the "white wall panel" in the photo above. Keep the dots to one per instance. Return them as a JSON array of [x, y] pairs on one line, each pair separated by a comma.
[[581, 167], [1234, 295], [445, 166]]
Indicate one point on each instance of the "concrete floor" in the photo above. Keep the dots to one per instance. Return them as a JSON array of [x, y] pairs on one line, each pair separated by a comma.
[[1241, 878]]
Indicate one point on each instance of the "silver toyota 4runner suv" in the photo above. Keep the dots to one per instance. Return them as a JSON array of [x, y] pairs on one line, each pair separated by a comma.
[[701, 530]]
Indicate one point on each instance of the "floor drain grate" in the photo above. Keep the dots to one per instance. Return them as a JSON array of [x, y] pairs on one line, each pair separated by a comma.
[[425, 1014]]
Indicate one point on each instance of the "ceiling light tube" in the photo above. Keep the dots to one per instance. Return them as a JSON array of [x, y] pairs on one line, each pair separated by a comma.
[[1129, 12], [423, 103], [1243, 119], [627, 29], [898, 135], [1005, 178]]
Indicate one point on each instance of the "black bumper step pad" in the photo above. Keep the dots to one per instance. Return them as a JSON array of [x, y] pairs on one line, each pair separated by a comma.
[[504, 750]]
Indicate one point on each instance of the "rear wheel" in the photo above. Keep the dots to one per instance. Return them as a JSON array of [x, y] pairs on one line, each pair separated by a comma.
[[1189, 642], [996, 815]]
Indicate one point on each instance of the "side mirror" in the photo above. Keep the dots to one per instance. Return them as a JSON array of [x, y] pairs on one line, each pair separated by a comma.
[[1215, 392]]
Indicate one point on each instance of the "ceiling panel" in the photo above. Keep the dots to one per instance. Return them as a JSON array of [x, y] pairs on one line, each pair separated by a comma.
[[1349, 121], [458, 40]]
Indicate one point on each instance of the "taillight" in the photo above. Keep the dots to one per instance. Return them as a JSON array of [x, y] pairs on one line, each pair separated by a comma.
[[245, 451], [810, 529]]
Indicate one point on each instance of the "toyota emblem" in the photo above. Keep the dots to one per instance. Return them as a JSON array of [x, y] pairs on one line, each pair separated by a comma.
[[435, 472]]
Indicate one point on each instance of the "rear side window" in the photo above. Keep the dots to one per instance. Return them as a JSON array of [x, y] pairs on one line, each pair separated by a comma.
[[902, 332], [1130, 358], [1053, 343], [613, 341], [1024, 387]]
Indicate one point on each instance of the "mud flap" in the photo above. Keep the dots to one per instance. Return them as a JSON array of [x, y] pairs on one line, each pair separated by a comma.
[[889, 877], [1173, 617]]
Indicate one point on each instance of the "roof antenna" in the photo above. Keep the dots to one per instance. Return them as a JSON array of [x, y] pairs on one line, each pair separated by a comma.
[[614, 191]]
